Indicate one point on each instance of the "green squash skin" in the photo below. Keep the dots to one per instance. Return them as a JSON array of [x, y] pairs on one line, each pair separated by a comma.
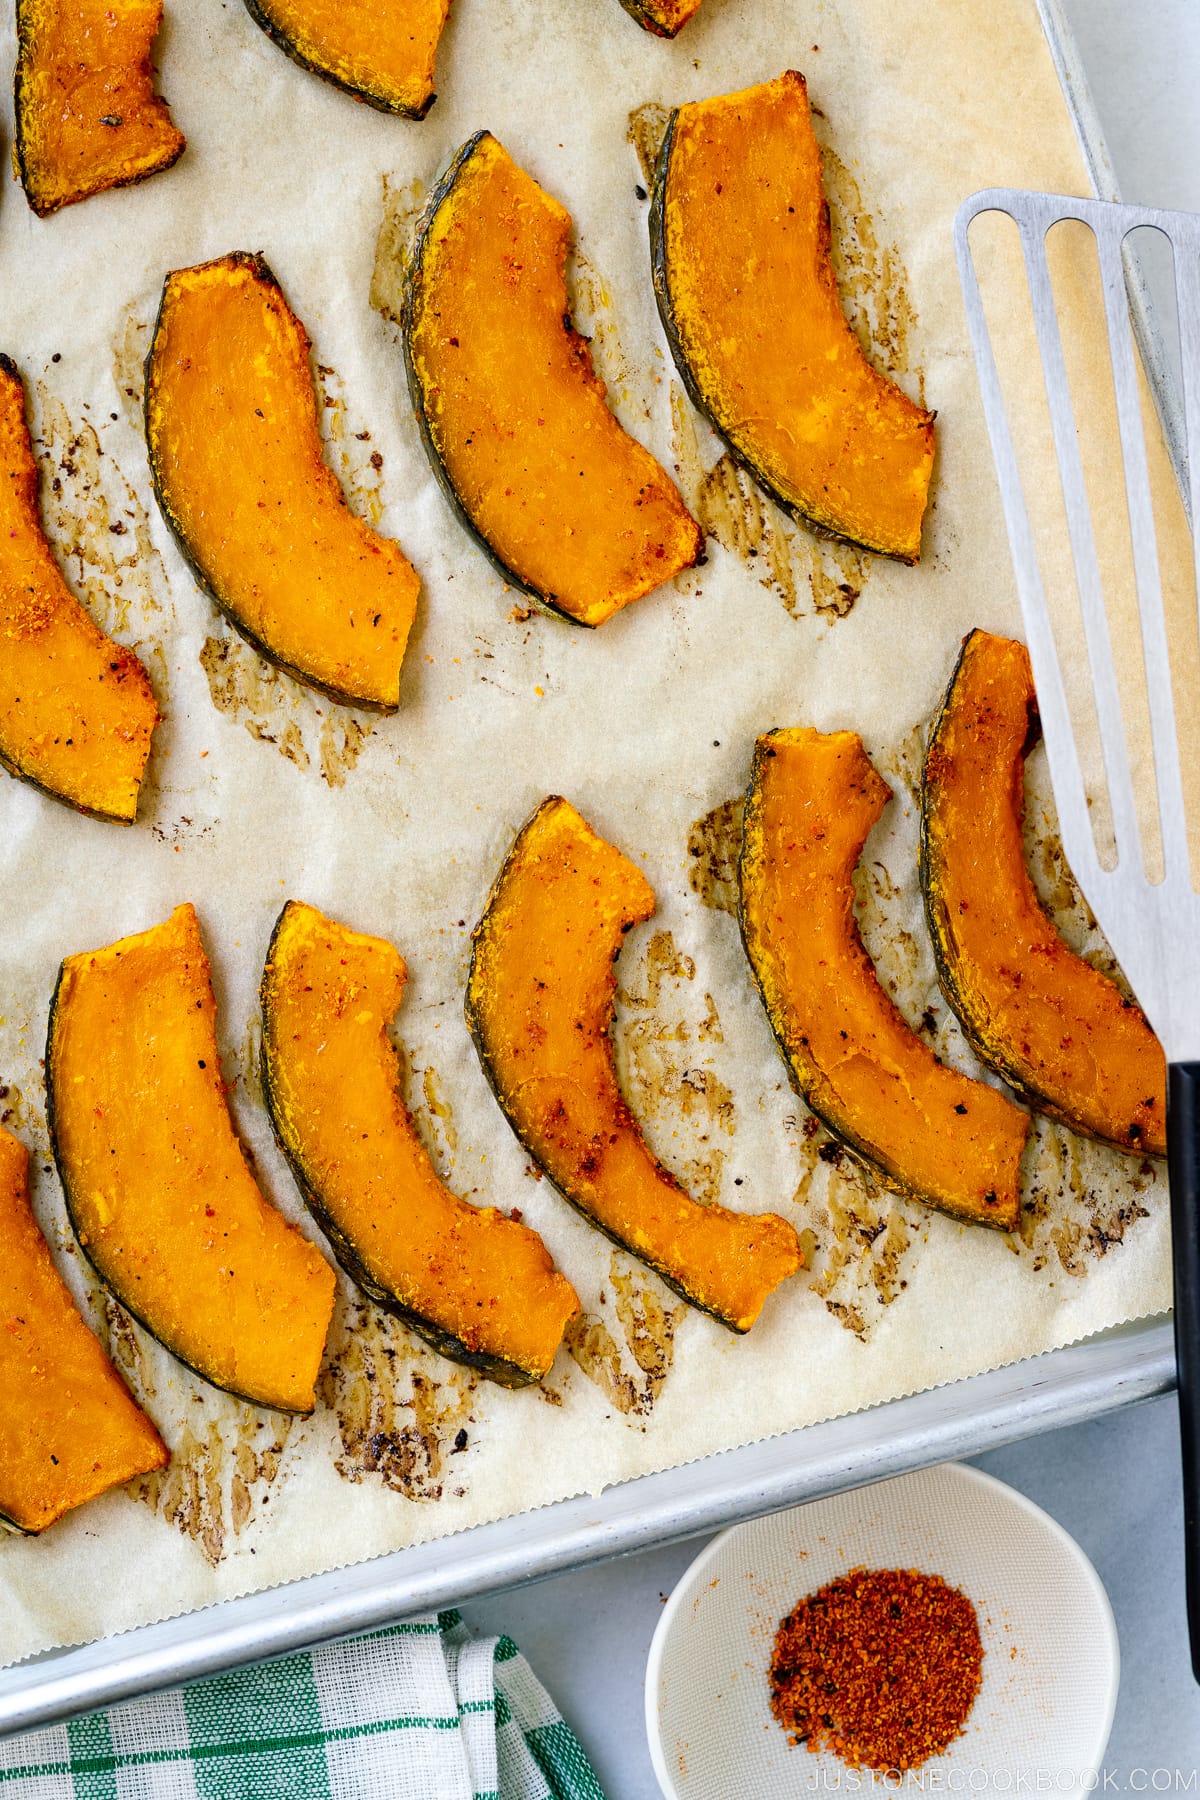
[[411, 301], [368, 96], [18, 144], [660, 275], [496, 1368], [477, 1029], [262, 271], [10, 763], [64, 1176], [752, 851]]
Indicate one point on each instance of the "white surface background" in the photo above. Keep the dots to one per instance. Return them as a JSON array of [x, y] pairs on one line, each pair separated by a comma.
[[1113, 1484]]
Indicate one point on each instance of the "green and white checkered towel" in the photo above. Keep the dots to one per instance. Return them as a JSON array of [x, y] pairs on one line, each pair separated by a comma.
[[420, 1712]]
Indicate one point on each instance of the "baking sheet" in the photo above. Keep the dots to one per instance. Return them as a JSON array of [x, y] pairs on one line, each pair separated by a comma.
[[259, 792]]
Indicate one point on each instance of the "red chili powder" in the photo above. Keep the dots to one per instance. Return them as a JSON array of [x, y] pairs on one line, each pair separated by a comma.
[[881, 1666]]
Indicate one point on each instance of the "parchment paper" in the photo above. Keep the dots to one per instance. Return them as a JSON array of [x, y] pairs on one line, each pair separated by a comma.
[[258, 791]]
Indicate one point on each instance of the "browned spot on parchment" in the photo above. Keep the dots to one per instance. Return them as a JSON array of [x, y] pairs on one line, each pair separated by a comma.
[[348, 449], [402, 203], [672, 1091], [646, 130], [129, 366], [305, 730], [1080, 1198], [871, 276], [860, 1241], [99, 530], [631, 1373], [714, 845], [397, 1419], [225, 1455]]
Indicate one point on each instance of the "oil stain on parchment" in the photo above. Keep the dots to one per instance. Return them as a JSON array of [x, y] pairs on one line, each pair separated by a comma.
[[226, 1456], [1080, 1198], [402, 203], [628, 1347], [714, 845], [664, 1071], [861, 1242], [129, 366], [401, 1412], [101, 533], [304, 729], [646, 130]]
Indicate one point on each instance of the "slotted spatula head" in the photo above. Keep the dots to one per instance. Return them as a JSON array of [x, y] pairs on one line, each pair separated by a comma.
[[1153, 927], [1151, 917]]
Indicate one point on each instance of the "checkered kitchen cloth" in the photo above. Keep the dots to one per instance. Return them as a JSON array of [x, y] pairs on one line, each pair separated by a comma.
[[420, 1712]]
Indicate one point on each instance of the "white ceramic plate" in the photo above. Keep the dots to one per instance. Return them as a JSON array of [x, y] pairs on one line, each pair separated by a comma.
[[1050, 1668]]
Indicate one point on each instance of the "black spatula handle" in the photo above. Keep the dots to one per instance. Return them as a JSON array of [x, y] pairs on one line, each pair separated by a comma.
[[1183, 1163]]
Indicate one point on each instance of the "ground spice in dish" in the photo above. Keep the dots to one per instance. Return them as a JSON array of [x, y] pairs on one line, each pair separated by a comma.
[[881, 1667]]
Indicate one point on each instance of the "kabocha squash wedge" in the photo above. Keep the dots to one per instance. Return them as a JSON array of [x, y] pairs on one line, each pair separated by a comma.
[[1059, 1031], [240, 475], [157, 1186], [381, 51], [69, 1427], [76, 710], [478, 1285], [568, 507], [746, 291], [929, 1131], [87, 116], [663, 17], [539, 1006]]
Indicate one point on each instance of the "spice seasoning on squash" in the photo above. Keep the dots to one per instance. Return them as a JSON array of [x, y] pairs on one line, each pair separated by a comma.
[[76, 710], [748, 298], [1059, 1031], [69, 1427], [568, 507], [87, 116], [926, 1129], [665, 18], [240, 474], [881, 1667], [539, 1006], [157, 1186], [381, 51], [480, 1286]]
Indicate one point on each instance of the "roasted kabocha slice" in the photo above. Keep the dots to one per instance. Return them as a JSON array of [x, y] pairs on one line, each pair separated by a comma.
[[540, 1007], [569, 508], [76, 710], [924, 1128], [381, 51], [157, 1185], [749, 301], [239, 471], [69, 1427], [87, 116], [480, 1286], [1058, 1030], [663, 17]]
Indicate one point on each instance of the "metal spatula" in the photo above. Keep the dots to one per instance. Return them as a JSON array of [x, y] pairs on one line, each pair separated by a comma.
[[1153, 927]]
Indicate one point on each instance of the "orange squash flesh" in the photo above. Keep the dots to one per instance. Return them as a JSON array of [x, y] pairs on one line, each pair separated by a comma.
[[478, 1284], [1059, 1031], [663, 17], [514, 417], [749, 301], [87, 116], [931, 1132], [239, 471], [381, 51], [69, 1427], [76, 710], [539, 1005], [159, 1191]]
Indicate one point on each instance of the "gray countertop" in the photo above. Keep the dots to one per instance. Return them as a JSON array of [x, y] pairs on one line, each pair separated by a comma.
[[1112, 1483]]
